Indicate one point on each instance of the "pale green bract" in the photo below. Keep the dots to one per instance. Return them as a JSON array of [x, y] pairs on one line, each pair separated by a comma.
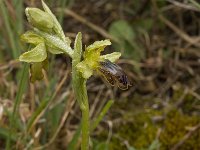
[[56, 42], [57, 26], [54, 50], [32, 38]]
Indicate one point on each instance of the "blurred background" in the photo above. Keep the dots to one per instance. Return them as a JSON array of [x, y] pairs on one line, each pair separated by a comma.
[[160, 45]]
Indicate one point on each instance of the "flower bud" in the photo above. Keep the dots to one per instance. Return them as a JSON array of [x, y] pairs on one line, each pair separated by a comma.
[[39, 19]]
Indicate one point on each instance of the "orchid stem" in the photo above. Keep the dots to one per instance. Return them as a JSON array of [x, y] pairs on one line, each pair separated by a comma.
[[80, 91]]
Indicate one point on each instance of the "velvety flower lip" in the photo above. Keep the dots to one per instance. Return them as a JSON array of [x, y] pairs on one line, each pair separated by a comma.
[[114, 74]]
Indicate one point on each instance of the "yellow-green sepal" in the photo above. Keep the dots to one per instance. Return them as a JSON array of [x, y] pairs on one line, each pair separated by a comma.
[[32, 38], [37, 54], [111, 57], [92, 58], [93, 51], [98, 45]]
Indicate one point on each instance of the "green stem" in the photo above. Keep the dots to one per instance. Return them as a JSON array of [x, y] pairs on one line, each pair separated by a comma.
[[80, 91], [85, 120]]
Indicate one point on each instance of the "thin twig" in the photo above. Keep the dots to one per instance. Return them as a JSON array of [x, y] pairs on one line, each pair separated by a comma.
[[69, 105], [94, 27], [180, 33], [182, 5]]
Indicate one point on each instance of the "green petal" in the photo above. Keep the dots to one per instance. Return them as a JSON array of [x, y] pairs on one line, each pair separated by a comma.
[[32, 38], [112, 57], [45, 64], [36, 71], [84, 69], [93, 51], [37, 54], [98, 45]]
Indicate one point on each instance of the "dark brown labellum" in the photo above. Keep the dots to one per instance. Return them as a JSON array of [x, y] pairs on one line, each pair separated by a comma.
[[114, 74]]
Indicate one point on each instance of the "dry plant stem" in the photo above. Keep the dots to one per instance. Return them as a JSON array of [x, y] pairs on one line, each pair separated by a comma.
[[94, 27], [69, 105], [191, 40], [183, 5]]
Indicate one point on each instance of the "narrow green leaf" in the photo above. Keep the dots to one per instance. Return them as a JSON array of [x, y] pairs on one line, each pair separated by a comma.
[[37, 113], [4, 133], [31, 37], [5, 15], [73, 143], [18, 99], [101, 115]]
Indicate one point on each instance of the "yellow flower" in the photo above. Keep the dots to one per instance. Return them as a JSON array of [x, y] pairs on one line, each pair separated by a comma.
[[93, 61], [92, 57]]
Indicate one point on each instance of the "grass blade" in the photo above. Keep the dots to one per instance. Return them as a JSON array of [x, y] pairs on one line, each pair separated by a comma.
[[7, 23], [101, 115], [22, 85]]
